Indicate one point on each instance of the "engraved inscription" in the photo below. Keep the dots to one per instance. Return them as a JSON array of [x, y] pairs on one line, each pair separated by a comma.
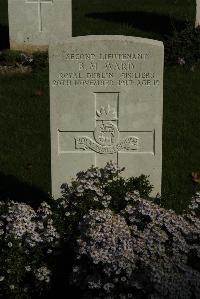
[[107, 70], [39, 3]]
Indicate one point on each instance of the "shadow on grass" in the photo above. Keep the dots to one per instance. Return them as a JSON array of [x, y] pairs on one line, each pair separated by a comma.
[[149, 22], [13, 189], [4, 37]]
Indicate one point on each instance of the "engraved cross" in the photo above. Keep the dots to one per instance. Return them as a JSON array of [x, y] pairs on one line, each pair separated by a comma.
[[39, 3], [106, 141]]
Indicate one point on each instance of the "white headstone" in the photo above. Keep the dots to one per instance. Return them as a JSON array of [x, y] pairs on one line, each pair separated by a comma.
[[106, 99], [34, 23], [197, 23]]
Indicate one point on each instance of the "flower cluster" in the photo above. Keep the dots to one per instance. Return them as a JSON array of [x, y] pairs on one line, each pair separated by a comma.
[[143, 250], [88, 190], [139, 250], [26, 59], [91, 182], [96, 188], [126, 246], [164, 242], [106, 242], [27, 236], [194, 207], [181, 61], [32, 227], [43, 274]]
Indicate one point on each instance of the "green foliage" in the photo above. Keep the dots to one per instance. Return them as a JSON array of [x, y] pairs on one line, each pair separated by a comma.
[[40, 61], [184, 46], [118, 189], [9, 57]]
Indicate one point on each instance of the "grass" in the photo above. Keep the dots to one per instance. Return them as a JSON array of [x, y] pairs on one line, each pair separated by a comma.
[[4, 12], [181, 136], [24, 101], [145, 18], [25, 133]]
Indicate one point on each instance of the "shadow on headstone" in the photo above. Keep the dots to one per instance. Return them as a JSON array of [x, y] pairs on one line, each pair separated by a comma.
[[149, 22], [4, 29], [13, 189], [4, 37]]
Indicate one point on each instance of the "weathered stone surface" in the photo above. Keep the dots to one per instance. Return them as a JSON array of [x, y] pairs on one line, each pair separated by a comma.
[[106, 104], [34, 23], [197, 23]]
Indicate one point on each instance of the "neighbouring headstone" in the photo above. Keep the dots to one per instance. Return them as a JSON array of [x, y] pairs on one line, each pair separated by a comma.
[[34, 23], [197, 23], [106, 102]]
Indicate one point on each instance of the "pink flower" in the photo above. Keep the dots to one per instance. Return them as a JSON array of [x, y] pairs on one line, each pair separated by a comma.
[[181, 60]]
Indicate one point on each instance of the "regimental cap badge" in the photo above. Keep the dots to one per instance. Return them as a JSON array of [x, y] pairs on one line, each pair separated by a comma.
[[106, 113]]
